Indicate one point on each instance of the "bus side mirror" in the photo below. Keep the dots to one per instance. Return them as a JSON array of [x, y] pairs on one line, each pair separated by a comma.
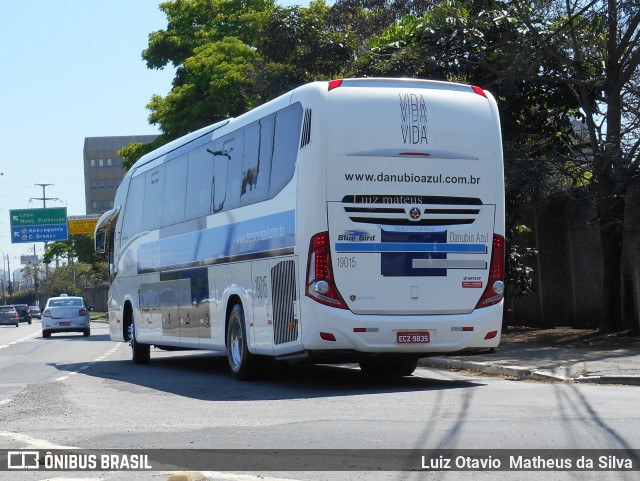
[[100, 241]]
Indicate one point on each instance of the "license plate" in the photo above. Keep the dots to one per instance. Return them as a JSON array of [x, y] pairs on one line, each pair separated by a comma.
[[413, 337], [65, 323]]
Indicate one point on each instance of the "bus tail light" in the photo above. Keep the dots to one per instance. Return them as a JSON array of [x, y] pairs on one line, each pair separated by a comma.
[[478, 90], [334, 84], [495, 285], [320, 283]]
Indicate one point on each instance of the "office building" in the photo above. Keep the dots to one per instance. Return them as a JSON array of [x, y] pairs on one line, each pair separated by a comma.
[[103, 169]]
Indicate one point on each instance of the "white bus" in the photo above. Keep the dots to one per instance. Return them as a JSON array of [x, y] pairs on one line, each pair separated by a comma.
[[352, 220]]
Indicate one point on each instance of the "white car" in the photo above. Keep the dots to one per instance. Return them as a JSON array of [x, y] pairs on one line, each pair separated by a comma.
[[66, 314]]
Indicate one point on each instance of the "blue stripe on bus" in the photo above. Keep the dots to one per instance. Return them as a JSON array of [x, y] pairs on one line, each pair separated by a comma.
[[410, 247], [262, 234], [400, 264]]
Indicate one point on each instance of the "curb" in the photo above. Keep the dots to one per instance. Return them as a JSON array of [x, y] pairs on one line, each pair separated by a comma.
[[629, 380], [522, 373], [509, 371]]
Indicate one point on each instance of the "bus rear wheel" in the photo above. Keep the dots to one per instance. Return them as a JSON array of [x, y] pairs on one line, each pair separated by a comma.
[[243, 364], [140, 353]]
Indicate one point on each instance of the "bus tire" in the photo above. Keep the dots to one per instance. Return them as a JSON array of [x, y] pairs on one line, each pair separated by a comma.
[[140, 353], [244, 365], [405, 367], [381, 367]]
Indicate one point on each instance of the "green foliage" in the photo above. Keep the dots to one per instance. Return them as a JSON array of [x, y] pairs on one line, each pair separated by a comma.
[[195, 23], [302, 40], [132, 152], [73, 279], [78, 247], [23, 296], [216, 83], [520, 262], [232, 56]]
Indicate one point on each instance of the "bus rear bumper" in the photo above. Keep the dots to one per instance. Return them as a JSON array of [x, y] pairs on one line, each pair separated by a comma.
[[422, 335]]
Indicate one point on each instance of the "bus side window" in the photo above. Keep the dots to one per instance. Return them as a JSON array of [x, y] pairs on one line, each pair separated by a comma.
[[175, 190], [258, 141], [132, 223], [199, 180], [153, 198], [226, 158], [285, 147], [234, 176]]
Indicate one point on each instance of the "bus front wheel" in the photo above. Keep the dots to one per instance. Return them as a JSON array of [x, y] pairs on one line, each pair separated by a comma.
[[141, 353], [243, 364]]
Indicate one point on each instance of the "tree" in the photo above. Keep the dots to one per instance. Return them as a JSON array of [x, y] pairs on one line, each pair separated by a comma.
[[195, 23], [299, 45], [368, 19], [216, 84], [78, 247], [208, 77], [593, 49], [73, 279]]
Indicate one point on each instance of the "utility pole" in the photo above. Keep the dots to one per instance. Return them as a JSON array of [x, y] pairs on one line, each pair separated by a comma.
[[44, 200], [10, 288], [44, 197]]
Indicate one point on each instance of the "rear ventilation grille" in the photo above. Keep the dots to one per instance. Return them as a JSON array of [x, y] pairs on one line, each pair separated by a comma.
[[415, 211], [306, 129], [283, 280]]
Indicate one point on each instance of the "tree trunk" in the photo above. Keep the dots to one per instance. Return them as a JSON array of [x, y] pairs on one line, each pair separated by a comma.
[[631, 259]]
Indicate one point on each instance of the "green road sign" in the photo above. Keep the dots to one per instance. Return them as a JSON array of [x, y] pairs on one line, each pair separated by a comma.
[[33, 217], [38, 225]]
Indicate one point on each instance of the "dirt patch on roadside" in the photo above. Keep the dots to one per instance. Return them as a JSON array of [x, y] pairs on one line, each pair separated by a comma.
[[569, 337]]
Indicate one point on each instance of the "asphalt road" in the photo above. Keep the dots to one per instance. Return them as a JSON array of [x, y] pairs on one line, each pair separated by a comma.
[[74, 392]]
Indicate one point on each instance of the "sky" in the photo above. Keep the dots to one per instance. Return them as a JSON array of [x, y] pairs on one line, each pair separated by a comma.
[[70, 69]]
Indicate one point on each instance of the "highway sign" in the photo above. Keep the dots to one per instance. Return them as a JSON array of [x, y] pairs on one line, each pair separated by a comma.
[[82, 224], [20, 217], [29, 259], [39, 233], [38, 225]]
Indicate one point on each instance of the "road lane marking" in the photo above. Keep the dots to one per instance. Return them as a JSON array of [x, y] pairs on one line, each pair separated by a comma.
[[90, 363], [19, 340]]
